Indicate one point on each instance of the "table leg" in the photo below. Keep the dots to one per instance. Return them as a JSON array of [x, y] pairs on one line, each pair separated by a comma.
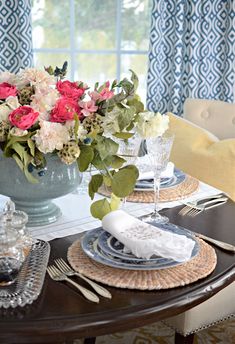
[[90, 340], [179, 339]]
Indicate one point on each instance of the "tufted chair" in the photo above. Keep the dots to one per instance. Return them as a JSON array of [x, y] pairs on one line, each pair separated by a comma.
[[213, 115], [219, 118]]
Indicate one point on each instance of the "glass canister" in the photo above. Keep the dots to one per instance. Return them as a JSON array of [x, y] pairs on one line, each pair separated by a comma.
[[15, 242], [17, 220], [11, 255]]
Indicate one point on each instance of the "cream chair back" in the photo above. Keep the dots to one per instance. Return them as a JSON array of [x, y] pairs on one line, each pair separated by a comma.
[[216, 116]]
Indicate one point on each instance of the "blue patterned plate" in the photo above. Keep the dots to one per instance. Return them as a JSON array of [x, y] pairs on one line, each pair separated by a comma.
[[90, 245], [147, 184], [111, 246]]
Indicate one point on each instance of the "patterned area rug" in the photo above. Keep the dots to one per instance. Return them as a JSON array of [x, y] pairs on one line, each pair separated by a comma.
[[223, 333]]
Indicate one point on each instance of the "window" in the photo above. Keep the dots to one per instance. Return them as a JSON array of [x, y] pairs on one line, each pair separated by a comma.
[[100, 39]]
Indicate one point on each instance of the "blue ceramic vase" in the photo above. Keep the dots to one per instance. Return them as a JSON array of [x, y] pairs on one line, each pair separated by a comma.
[[56, 180]]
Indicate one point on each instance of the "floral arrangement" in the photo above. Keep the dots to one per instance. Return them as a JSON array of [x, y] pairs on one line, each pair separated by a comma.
[[41, 113]]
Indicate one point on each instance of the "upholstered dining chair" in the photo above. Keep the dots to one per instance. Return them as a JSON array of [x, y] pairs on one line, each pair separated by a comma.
[[218, 118]]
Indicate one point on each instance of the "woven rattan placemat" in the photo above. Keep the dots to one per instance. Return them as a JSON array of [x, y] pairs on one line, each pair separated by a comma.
[[198, 267], [180, 191]]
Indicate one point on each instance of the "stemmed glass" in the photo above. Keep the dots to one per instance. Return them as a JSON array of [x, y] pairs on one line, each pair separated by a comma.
[[159, 149], [129, 150]]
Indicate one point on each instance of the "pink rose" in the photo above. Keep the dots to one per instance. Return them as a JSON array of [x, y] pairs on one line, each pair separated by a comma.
[[70, 89], [88, 107], [64, 110], [7, 90], [23, 117]]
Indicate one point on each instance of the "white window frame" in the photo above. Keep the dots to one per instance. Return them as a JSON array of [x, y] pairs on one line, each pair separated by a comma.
[[73, 51]]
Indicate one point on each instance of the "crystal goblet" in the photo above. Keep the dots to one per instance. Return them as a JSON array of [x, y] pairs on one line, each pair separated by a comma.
[[129, 150], [159, 149]]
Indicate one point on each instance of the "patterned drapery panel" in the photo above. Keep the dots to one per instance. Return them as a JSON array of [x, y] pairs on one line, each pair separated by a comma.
[[192, 52], [15, 35]]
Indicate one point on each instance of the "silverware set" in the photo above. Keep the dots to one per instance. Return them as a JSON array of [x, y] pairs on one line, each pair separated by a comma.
[[196, 207], [61, 272]]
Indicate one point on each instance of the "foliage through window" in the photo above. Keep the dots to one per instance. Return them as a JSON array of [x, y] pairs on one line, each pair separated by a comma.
[[100, 39]]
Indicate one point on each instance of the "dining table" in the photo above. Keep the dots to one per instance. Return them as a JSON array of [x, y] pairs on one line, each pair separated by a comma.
[[61, 314]]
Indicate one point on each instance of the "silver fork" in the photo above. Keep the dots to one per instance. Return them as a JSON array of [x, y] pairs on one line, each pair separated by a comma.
[[57, 275], [197, 209], [67, 270], [191, 205]]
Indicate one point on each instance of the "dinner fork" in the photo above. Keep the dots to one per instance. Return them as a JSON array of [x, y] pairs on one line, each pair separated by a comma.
[[57, 275], [197, 209], [67, 270], [189, 205]]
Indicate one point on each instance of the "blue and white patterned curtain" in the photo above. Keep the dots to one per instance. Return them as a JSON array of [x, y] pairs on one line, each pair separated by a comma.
[[15, 35], [192, 52]]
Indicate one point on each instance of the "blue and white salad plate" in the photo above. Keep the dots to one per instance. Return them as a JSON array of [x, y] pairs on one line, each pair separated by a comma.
[[103, 248], [147, 184]]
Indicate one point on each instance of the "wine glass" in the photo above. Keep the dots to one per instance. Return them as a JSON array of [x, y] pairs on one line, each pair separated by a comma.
[[128, 150], [159, 149]]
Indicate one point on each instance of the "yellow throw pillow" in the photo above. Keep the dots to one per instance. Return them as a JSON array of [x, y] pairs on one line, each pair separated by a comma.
[[202, 155]]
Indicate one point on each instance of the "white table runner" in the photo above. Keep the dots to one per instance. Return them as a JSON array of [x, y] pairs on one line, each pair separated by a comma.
[[76, 216]]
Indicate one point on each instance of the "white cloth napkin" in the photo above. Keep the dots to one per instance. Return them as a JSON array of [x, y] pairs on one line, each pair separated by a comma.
[[145, 240], [167, 173]]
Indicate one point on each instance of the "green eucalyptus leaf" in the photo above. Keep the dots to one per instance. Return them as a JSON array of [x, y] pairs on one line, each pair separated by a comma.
[[125, 117], [100, 208], [138, 105], [85, 158], [106, 147], [31, 145], [124, 180], [123, 135], [107, 180], [134, 79], [20, 150], [94, 185], [117, 162]]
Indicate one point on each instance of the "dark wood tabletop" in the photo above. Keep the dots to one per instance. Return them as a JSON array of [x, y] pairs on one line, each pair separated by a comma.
[[62, 314]]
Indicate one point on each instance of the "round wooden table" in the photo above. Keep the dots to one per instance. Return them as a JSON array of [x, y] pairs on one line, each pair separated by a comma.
[[61, 314]]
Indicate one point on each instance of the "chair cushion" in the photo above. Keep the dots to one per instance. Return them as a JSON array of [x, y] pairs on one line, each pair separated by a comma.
[[214, 115], [202, 155], [218, 307]]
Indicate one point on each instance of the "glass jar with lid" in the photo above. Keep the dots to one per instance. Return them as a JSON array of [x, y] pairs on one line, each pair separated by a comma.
[[15, 242]]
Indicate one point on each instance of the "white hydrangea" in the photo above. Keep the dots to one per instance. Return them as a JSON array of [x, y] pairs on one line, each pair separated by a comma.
[[151, 124], [81, 134], [51, 136]]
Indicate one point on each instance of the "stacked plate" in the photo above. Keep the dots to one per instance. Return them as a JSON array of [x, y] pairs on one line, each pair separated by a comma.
[[105, 249], [147, 184]]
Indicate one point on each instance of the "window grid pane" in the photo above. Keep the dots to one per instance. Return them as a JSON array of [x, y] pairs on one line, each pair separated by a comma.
[[79, 57]]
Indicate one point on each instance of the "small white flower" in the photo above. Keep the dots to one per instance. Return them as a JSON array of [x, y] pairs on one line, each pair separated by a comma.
[[18, 132], [151, 124], [12, 102], [51, 136], [6, 108], [4, 112]]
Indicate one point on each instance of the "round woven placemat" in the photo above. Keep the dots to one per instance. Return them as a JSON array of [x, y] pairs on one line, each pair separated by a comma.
[[180, 191], [198, 267]]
